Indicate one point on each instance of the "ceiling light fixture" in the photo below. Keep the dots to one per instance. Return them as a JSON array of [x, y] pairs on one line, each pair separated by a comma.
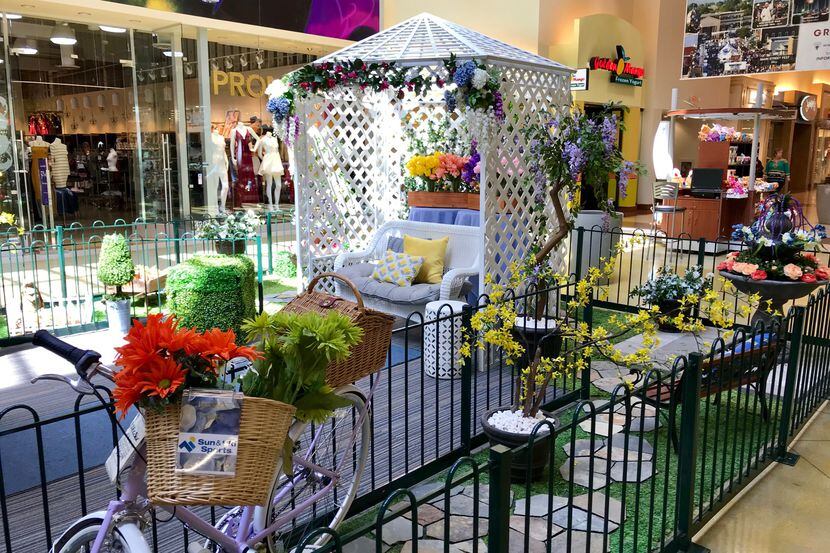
[[84, 14], [63, 34], [170, 53], [228, 63], [25, 47], [108, 29], [243, 60]]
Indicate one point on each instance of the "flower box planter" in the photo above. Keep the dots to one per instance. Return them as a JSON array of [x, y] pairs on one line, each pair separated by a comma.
[[456, 200]]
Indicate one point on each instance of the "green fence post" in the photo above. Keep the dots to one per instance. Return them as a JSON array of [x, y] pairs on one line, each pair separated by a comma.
[[259, 272], [793, 360], [585, 391], [176, 241], [466, 382], [580, 233], [269, 235], [498, 522], [687, 454], [61, 259]]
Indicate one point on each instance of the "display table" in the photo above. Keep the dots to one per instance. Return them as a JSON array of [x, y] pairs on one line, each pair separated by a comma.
[[445, 215], [442, 339], [711, 218]]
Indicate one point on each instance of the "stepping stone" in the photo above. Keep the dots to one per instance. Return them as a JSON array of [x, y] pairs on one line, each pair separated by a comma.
[[609, 383], [580, 520], [516, 544], [600, 428], [461, 505], [598, 405], [615, 449], [461, 529], [399, 530], [630, 469], [539, 505], [427, 514], [483, 493], [583, 446], [615, 509], [582, 474], [617, 419], [538, 527], [648, 424], [360, 545], [579, 543], [467, 546], [426, 546], [637, 409], [427, 488]]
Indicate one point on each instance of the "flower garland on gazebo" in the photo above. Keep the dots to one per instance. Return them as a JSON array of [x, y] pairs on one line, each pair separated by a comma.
[[471, 87]]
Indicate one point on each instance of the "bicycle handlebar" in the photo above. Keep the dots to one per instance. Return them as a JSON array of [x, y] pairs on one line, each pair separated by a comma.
[[82, 359]]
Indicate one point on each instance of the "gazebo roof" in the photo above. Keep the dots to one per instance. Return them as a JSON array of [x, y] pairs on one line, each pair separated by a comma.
[[426, 38]]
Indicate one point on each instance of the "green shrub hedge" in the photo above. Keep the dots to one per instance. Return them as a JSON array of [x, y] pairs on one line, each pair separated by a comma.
[[115, 264], [285, 265], [213, 291]]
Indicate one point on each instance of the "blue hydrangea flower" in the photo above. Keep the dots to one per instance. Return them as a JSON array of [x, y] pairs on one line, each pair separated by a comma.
[[279, 107], [464, 74]]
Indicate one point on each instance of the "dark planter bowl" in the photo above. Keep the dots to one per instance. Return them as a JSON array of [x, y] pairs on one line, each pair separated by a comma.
[[532, 336], [669, 308], [229, 247], [539, 454], [778, 292]]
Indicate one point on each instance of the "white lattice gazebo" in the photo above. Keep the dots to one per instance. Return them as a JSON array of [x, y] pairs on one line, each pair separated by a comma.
[[348, 155]]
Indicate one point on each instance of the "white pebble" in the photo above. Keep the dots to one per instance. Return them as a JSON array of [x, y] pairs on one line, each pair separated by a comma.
[[515, 422]]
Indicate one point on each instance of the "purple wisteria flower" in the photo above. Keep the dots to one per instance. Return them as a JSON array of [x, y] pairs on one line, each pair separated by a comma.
[[624, 176], [608, 129], [470, 171], [498, 105], [574, 156], [450, 100]]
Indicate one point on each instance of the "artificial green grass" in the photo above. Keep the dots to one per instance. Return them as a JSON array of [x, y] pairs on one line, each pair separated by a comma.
[[730, 437]]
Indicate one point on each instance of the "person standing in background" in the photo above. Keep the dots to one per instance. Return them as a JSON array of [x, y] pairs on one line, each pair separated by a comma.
[[778, 169]]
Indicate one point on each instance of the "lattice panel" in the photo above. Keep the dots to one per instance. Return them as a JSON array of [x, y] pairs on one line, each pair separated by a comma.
[[509, 224], [348, 161]]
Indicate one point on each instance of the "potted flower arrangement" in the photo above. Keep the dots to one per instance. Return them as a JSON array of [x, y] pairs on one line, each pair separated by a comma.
[[573, 155], [775, 263], [116, 269], [230, 233], [442, 179], [668, 291]]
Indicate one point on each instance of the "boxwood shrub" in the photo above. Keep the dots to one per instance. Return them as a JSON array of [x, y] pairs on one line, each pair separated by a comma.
[[213, 291], [285, 265]]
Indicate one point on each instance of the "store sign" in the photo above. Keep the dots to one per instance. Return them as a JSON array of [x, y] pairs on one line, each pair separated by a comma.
[[622, 71], [579, 80], [239, 84], [808, 108]]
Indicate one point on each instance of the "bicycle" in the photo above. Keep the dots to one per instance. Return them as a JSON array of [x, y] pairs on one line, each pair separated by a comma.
[[324, 484]]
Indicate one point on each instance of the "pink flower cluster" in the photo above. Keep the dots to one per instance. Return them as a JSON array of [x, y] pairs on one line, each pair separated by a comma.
[[449, 164]]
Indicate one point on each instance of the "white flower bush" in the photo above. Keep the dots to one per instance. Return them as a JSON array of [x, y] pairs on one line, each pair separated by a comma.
[[236, 226]]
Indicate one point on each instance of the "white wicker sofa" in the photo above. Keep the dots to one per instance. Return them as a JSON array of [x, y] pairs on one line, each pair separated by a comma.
[[461, 262]]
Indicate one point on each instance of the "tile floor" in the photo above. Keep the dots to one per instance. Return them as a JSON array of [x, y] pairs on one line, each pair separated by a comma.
[[787, 511]]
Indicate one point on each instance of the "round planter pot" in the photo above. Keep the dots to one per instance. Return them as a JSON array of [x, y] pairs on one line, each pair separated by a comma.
[[823, 203], [118, 316], [598, 240], [531, 332], [229, 247], [539, 454], [668, 308], [778, 292]]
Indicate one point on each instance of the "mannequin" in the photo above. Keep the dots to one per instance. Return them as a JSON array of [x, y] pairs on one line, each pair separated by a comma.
[[268, 149], [59, 163], [245, 187], [218, 169], [112, 161]]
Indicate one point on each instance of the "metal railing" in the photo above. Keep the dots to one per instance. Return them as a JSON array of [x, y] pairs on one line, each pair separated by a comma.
[[48, 277]]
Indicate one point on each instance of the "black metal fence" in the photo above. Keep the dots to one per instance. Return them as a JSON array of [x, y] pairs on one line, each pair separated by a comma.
[[424, 427]]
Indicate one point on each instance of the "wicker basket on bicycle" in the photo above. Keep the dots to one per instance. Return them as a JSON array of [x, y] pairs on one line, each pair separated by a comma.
[[263, 427], [369, 355]]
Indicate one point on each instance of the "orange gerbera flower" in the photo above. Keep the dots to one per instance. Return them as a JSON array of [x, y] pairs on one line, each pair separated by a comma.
[[221, 344], [125, 398], [161, 378]]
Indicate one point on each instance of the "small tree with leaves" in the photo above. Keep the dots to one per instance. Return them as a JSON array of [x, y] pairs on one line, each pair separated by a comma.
[[115, 264]]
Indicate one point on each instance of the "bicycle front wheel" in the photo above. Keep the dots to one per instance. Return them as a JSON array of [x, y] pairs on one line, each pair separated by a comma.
[[330, 446], [80, 537]]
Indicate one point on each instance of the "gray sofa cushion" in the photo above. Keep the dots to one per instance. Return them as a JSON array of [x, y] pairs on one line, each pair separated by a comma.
[[395, 243], [415, 294]]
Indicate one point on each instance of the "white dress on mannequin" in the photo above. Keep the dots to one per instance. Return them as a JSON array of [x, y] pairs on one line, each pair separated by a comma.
[[218, 172], [268, 146], [59, 163]]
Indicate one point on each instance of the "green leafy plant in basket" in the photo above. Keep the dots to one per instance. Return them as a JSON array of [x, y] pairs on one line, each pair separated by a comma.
[[297, 349]]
